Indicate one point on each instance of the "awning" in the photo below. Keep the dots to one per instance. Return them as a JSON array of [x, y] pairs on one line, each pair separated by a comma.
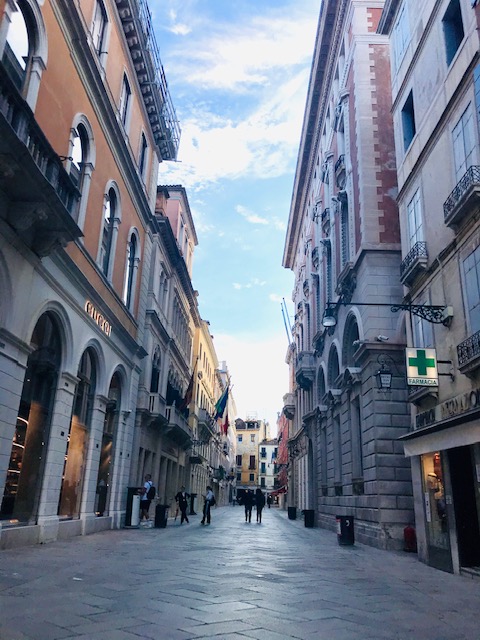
[[277, 492]]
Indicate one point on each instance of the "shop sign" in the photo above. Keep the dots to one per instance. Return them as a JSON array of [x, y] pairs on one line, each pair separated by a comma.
[[98, 318], [449, 409], [422, 367]]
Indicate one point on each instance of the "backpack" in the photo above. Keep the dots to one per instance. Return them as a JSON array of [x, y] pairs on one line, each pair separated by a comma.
[[151, 493], [213, 502]]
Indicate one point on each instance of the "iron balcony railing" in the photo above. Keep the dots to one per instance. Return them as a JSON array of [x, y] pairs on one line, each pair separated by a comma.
[[471, 178], [419, 250], [469, 349], [138, 27]]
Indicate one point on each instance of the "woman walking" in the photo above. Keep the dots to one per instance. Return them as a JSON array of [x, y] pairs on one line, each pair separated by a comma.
[[260, 502]]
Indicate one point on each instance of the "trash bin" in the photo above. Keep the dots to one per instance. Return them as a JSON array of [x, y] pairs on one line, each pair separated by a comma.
[[345, 532], [292, 513], [161, 515], [132, 514], [309, 515]]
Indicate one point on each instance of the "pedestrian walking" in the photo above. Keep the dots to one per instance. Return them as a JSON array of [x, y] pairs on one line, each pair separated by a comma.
[[269, 500], [182, 501], [147, 493], [248, 500], [260, 502], [209, 502]]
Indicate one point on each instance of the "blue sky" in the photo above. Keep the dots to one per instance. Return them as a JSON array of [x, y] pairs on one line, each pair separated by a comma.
[[238, 75]]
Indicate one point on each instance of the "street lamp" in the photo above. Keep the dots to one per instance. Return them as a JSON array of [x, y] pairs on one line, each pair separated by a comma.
[[435, 314]]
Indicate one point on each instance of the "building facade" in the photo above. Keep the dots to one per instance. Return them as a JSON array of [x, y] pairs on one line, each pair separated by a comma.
[[267, 465], [343, 246], [250, 433], [163, 434], [77, 193], [435, 91]]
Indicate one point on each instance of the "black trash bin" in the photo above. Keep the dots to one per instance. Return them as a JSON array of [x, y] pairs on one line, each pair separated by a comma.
[[345, 531], [292, 513], [161, 515], [309, 515]]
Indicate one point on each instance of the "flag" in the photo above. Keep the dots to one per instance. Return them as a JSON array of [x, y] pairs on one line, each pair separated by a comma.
[[225, 425], [188, 394], [221, 404]]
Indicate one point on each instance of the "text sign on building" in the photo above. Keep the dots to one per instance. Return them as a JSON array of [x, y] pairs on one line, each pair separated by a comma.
[[422, 367], [98, 318]]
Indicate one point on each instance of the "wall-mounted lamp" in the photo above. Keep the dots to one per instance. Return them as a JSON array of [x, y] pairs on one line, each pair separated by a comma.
[[384, 375], [435, 314]]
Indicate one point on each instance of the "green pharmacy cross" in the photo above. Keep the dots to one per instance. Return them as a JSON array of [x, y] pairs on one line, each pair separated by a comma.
[[422, 367]]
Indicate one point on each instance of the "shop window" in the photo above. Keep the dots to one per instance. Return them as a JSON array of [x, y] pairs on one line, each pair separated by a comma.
[[110, 425], [435, 503], [75, 455], [30, 440], [452, 29]]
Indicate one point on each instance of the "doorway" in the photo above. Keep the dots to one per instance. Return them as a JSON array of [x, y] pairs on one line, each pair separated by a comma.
[[465, 506]]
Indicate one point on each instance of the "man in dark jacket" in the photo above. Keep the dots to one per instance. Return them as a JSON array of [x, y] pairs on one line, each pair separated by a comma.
[[182, 501], [248, 500]]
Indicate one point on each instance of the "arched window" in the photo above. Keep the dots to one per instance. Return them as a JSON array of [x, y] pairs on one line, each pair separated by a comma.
[[333, 367], [24, 478], [350, 341], [23, 47], [111, 221], [76, 453], [131, 271], [156, 365]]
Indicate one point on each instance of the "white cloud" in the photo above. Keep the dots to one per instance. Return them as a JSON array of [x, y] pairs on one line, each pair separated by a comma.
[[254, 282], [249, 216]]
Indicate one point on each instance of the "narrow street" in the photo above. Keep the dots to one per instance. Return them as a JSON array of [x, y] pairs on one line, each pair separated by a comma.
[[229, 580]]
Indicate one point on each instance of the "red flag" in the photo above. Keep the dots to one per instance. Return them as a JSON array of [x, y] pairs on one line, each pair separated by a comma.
[[225, 424]]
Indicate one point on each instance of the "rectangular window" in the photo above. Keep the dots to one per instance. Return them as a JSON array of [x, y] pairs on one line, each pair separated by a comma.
[[471, 271], [263, 452], [415, 222], [452, 29], [401, 36], [262, 482], [239, 477], [124, 106], [251, 477], [252, 464], [240, 438], [239, 460], [422, 331], [252, 437], [99, 27], [464, 143], [408, 121], [142, 162], [263, 468]]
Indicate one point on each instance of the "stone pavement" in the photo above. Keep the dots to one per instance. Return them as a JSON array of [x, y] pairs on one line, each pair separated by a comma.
[[229, 581]]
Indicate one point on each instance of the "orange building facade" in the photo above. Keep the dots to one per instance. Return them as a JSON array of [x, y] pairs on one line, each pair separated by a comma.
[[85, 120]]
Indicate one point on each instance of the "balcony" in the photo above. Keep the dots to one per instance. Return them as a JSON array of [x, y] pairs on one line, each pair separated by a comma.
[[468, 354], [206, 424], [156, 404], [414, 263], [40, 198], [140, 35], [177, 427], [305, 369], [289, 405], [464, 199]]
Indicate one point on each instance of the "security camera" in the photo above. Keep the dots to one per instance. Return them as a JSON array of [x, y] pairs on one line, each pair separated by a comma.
[[356, 343], [382, 338]]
